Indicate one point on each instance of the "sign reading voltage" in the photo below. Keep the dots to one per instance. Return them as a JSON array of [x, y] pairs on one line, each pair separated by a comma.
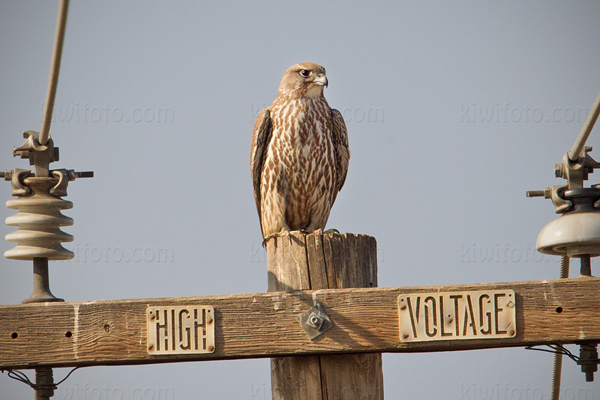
[[180, 330], [457, 315]]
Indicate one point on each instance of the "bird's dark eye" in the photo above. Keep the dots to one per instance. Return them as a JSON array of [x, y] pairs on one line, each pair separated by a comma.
[[305, 73]]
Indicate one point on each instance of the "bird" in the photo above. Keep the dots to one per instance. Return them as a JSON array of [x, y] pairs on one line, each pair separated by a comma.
[[299, 155]]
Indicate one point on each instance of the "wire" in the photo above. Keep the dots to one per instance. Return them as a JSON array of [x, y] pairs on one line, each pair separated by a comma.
[[54, 70], [555, 349], [65, 378], [21, 377]]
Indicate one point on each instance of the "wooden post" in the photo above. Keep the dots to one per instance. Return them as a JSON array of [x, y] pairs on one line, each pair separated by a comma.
[[329, 261]]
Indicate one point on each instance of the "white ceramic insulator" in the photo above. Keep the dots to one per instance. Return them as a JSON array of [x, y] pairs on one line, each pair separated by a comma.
[[39, 220], [572, 234]]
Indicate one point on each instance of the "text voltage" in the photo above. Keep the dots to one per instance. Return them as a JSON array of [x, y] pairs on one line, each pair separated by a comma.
[[457, 315]]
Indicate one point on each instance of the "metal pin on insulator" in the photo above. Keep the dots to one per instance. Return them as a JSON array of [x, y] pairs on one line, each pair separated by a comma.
[[39, 220]]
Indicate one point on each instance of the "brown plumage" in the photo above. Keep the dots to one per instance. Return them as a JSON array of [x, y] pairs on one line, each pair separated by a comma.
[[299, 154]]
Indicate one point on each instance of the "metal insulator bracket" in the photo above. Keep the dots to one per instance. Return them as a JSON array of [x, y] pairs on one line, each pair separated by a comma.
[[16, 176], [576, 172], [556, 194], [39, 155], [64, 176]]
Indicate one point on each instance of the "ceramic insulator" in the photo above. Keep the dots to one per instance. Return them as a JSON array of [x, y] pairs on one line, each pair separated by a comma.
[[39, 220]]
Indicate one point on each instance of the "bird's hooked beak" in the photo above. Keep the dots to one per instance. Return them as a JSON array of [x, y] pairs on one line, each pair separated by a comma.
[[321, 79]]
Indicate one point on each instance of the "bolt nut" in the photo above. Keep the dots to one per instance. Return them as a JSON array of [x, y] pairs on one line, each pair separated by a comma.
[[315, 321]]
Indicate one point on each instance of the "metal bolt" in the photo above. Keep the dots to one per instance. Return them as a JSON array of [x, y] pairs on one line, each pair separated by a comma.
[[402, 304], [588, 359], [210, 320], [315, 321], [150, 347], [558, 170], [510, 304], [511, 332], [152, 315], [211, 348]]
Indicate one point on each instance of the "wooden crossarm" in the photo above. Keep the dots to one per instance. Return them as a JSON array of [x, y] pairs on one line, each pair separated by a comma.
[[114, 332]]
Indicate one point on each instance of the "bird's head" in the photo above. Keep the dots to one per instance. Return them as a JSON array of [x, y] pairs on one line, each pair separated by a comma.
[[304, 80]]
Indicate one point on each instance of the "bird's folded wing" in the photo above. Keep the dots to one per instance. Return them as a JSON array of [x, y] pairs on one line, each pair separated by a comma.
[[258, 151], [340, 144]]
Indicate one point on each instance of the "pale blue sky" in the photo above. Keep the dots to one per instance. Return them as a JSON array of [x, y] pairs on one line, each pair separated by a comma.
[[454, 110]]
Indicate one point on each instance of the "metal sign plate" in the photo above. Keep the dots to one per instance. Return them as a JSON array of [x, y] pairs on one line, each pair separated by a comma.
[[457, 315], [181, 330]]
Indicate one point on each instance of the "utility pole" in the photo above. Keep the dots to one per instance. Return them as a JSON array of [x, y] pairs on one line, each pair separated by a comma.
[[296, 261]]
